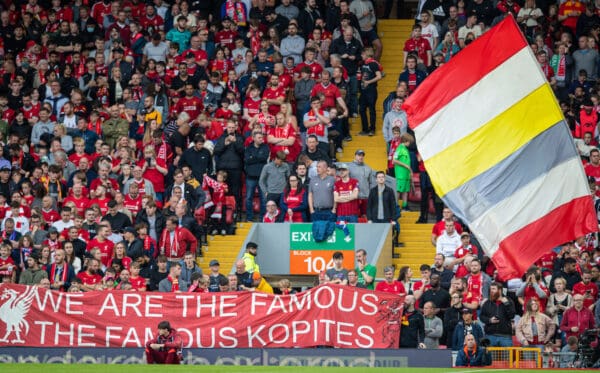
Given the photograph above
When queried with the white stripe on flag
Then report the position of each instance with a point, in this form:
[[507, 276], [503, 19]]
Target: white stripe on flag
[[528, 204], [494, 94]]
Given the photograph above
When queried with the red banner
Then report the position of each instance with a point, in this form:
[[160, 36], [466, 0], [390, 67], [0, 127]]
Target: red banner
[[330, 315]]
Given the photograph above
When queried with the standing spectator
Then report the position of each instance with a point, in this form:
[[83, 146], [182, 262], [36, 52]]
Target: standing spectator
[[448, 242], [175, 241], [60, 273], [412, 333], [198, 158], [345, 195], [568, 272], [229, 151], [534, 328], [273, 178], [171, 284], [497, 314], [390, 285], [308, 16], [402, 168], [215, 276], [320, 195], [418, 45], [381, 203], [370, 74], [293, 44], [438, 297], [412, 76], [533, 288], [586, 58], [586, 288], [316, 121], [444, 273], [577, 319], [367, 20], [366, 272], [349, 49], [294, 201], [452, 317], [256, 156], [432, 325], [365, 175]]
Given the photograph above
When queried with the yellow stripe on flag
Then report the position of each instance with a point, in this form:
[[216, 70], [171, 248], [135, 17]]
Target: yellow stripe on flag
[[494, 141]]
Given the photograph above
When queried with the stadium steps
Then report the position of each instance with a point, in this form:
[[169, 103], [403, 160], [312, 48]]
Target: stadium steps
[[393, 34], [224, 248], [417, 247]]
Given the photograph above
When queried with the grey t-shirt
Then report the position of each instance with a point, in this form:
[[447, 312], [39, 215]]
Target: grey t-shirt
[[333, 273], [322, 191]]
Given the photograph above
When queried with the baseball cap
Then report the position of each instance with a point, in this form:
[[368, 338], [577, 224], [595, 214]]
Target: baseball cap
[[129, 230], [342, 166], [466, 310], [213, 262], [359, 151]]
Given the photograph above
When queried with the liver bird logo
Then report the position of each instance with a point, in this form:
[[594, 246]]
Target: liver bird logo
[[14, 311]]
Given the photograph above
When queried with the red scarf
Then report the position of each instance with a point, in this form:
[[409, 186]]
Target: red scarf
[[174, 246], [148, 244], [319, 129], [174, 284], [53, 272], [561, 71]]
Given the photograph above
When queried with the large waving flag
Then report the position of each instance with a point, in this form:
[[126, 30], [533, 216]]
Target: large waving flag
[[499, 152]]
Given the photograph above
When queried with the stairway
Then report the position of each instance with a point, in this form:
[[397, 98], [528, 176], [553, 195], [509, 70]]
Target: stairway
[[224, 248], [417, 247], [393, 34]]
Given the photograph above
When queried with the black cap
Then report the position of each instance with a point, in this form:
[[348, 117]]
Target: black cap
[[213, 262], [118, 50], [466, 310], [129, 230], [5, 168]]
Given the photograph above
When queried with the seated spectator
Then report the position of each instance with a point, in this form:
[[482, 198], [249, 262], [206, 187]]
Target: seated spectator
[[472, 355]]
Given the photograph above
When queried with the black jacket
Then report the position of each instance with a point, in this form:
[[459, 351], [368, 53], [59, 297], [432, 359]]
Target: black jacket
[[134, 249], [389, 204], [354, 48], [231, 156], [200, 161], [413, 333], [505, 312], [255, 159], [160, 223]]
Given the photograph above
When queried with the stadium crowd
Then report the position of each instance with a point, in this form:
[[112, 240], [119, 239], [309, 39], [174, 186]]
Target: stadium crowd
[[133, 129]]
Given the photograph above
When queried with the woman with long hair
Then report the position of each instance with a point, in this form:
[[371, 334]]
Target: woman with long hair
[[405, 278], [448, 46], [294, 201], [534, 329], [558, 302], [120, 253], [71, 258]]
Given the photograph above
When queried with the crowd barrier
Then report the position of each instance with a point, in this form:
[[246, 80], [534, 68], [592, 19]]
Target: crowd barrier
[[318, 357]]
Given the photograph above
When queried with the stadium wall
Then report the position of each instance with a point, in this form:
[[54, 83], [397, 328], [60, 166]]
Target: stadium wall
[[318, 357]]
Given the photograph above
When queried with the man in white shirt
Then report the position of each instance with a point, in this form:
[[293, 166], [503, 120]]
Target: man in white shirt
[[447, 243]]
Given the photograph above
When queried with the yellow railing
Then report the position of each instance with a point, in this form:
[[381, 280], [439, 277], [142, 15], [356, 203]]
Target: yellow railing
[[516, 357]]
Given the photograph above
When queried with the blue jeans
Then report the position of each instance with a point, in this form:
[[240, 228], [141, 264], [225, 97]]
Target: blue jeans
[[348, 218], [324, 215], [499, 341], [251, 187]]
